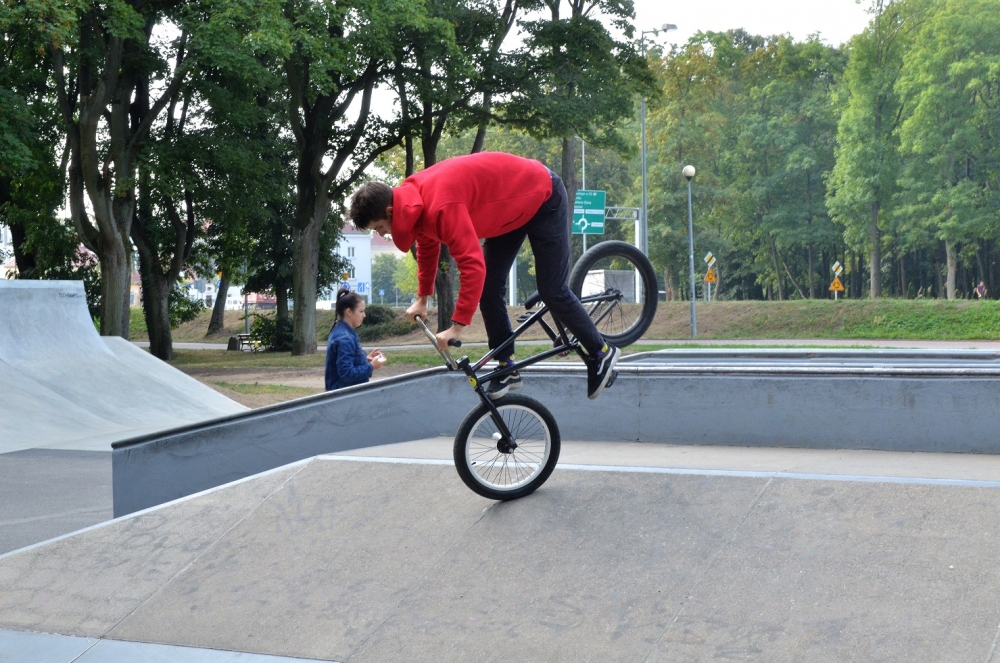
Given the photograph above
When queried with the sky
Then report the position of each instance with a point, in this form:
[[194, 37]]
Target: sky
[[836, 21]]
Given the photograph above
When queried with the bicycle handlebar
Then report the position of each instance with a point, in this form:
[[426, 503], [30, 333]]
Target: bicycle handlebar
[[454, 342]]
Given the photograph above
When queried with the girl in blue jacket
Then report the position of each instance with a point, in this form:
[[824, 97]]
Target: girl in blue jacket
[[346, 362]]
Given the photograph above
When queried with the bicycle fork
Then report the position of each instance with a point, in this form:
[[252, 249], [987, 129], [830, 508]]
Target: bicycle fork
[[506, 442]]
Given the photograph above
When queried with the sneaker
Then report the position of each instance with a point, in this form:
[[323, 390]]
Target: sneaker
[[498, 388], [600, 372]]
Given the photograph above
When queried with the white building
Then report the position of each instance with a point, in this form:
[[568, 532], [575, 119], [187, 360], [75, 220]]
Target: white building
[[7, 268], [356, 246]]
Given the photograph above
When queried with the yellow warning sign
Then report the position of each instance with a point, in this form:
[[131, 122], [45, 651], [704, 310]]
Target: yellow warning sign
[[836, 286], [710, 276]]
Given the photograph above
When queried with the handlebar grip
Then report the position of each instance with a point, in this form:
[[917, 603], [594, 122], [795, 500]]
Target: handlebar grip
[[454, 342]]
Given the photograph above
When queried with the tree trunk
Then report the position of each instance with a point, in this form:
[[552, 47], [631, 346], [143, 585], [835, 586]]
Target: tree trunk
[[156, 307], [777, 270], [23, 260], [812, 281], [952, 257], [444, 287], [305, 257], [938, 282], [116, 283], [218, 322], [281, 301], [903, 289], [876, 254], [569, 173]]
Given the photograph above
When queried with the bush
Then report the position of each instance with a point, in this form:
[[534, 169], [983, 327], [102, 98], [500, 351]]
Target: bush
[[379, 315], [272, 333], [383, 322]]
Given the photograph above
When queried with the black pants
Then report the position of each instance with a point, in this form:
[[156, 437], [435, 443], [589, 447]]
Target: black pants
[[548, 232]]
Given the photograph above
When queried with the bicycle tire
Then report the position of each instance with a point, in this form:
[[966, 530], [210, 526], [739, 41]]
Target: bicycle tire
[[496, 475], [621, 323]]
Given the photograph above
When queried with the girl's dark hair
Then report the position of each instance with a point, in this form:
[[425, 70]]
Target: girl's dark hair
[[347, 300], [368, 204]]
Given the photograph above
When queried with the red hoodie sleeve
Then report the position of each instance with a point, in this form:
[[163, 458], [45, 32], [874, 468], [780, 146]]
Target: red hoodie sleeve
[[428, 252], [455, 229]]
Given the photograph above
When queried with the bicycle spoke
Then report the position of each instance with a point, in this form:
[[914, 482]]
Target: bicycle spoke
[[507, 471]]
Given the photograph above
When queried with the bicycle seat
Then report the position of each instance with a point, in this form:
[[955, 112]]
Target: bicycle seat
[[532, 299]]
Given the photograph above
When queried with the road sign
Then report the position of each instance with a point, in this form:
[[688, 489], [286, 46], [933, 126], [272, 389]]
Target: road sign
[[837, 268], [381, 292], [710, 276], [588, 212], [836, 286], [709, 259]]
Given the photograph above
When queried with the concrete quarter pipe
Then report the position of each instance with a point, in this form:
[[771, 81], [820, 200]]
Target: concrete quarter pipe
[[62, 386]]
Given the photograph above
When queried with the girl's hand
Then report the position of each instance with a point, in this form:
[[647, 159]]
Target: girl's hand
[[376, 358]]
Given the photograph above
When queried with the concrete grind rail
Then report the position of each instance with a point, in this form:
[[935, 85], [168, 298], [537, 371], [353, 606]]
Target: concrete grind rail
[[395, 560]]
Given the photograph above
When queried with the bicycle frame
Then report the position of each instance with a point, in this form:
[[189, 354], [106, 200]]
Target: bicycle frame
[[563, 343]]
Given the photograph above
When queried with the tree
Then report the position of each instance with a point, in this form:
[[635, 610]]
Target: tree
[[579, 80], [30, 174], [442, 66], [863, 180], [338, 54], [384, 268], [949, 82]]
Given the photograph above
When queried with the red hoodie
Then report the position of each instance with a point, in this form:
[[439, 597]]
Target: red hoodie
[[458, 202]]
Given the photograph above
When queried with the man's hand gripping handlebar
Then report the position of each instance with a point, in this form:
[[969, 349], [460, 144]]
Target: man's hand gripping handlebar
[[453, 342]]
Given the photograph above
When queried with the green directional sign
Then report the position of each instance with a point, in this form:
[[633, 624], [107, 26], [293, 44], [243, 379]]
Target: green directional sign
[[588, 213]]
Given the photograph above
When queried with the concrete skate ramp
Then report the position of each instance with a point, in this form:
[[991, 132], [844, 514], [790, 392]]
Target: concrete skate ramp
[[353, 560], [63, 386]]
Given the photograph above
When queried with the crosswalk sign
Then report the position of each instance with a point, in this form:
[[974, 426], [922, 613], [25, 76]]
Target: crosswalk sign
[[710, 276], [836, 286]]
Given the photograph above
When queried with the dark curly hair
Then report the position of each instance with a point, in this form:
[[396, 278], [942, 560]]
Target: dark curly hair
[[368, 204]]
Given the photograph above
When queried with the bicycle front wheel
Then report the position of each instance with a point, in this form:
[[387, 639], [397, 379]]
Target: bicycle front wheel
[[617, 285], [496, 469]]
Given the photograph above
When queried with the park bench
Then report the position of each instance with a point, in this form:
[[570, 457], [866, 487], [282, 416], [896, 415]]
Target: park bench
[[243, 342]]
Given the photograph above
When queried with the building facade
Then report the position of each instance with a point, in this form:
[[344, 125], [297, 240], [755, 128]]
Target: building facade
[[356, 246]]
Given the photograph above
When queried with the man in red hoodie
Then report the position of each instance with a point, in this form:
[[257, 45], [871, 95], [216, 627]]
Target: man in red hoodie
[[500, 198]]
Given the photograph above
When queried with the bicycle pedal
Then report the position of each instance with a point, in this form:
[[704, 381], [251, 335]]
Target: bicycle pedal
[[523, 317]]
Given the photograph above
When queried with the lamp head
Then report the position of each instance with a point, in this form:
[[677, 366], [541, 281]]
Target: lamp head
[[668, 26], [688, 172]]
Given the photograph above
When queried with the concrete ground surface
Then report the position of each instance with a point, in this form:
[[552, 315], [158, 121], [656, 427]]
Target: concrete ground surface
[[630, 552], [46, 492]]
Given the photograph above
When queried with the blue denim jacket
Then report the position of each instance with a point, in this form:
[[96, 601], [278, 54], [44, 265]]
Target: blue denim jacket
[[346, 362]]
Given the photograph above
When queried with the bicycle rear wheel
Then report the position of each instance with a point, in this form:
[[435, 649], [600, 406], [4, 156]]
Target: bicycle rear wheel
[[609, 275], [489, 467]]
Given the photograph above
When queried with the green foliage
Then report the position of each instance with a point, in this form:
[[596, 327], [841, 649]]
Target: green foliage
[[182, 308], [272, 332]]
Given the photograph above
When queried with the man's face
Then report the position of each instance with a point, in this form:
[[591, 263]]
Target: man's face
[[383, 227]]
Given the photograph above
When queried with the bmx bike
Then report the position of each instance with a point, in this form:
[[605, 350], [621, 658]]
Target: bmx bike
[[506, 448]]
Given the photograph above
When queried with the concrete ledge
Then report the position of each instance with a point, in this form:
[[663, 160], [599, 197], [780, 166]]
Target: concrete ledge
[[857, 408]]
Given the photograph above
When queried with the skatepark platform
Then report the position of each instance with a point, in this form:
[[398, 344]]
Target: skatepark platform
[[630, 552], [923, 401]]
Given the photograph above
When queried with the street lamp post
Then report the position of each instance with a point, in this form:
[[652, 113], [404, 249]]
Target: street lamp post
[[644, 235], [689, 173]]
